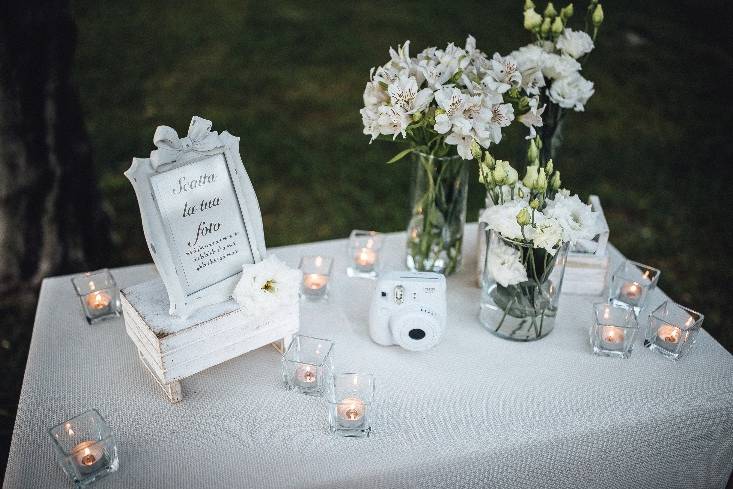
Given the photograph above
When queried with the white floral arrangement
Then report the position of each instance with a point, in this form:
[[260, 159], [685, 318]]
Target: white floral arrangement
[[443, 101], [266, 286]]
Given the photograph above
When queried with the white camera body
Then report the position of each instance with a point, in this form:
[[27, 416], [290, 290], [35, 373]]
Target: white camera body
[[409, 309]]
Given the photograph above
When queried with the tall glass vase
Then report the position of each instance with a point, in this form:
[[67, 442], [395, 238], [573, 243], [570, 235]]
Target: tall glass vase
[[435, 231], [521, 288]]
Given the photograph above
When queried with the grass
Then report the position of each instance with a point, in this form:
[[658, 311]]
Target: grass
[[287, 77]]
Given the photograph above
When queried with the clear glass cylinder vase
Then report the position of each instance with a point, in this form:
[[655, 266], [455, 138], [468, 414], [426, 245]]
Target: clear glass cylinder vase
[[521, 288], [435, 231]]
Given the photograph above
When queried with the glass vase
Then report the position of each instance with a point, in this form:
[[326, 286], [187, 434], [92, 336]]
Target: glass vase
[[521, 288], [551, 133], [435, 232]]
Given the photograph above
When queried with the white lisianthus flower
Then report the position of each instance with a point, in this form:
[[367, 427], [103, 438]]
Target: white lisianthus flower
[[548, 234], [505, 264], [556, 66], [575, 43], [571, 92], [578, 220], [405, 95], [503, 218], [266, 286], [533, 118], [503, 74]]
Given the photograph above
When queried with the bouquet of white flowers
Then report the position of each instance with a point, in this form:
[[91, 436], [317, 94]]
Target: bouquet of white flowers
[[448, 105]]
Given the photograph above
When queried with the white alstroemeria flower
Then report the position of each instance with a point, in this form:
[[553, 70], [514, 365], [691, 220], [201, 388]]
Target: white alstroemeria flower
[[436, 74], [374, 95], [555, 66], [405, 95], [575, 43], [571, 92], [452, 101], [548, 234], [533, 118], [402, 64], [462, 142], [503, 218], [370, 119], [503, 74], [266, 286], [504, 263], [578, 220], [384, 74], [393, 121], [501, 116]]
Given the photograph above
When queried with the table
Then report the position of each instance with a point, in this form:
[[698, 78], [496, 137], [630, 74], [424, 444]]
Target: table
[[476, 411]]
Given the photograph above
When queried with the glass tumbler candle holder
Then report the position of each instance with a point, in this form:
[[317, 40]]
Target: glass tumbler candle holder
[[85, 448], [350, 400], [631, 284], [613, 331], [99, 295], [316, 275], [307, 365], [364, 249], [672, 329]]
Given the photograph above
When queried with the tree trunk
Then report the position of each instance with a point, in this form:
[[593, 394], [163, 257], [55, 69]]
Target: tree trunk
[[51, 218]]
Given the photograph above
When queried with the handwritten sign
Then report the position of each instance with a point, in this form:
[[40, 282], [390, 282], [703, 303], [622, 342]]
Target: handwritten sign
[[206, 233]]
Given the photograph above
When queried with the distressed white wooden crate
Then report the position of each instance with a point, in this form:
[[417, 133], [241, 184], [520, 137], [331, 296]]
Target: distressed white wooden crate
[[586, 272], [173, 348]]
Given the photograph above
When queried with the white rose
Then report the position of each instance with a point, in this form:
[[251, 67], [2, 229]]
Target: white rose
[[266, 286], [575, 43], [571, 92]]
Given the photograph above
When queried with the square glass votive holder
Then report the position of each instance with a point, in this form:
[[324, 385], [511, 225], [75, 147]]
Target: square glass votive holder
[[99, 295], [613, 331], [672, 329], [631, 284], [350, 398], [363, 252], [316, 275], [85, 448], [307, 365]]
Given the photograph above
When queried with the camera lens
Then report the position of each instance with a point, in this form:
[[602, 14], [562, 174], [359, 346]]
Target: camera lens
[[416, 334]]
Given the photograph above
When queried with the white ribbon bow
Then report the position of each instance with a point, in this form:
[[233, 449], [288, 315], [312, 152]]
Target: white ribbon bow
[[171, 149]]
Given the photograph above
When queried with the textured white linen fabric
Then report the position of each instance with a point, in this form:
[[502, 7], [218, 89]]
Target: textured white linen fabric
[[476, 411]]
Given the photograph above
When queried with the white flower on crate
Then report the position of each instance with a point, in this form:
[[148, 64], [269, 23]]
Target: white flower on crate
[[575, 43], [266, 286], [571, 92], [505, 264], [578, 220]]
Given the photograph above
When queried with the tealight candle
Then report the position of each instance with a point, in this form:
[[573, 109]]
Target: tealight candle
[[613, 334], [365, 258], [88, 455], [314, 281], [98, 300], [350, 412], [631, 291], [305, 376], [669, 333]]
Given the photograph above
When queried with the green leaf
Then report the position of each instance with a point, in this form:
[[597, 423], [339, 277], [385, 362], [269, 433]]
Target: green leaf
[[400, 155]]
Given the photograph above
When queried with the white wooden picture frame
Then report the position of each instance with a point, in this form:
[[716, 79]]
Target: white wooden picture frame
[[200, 214]]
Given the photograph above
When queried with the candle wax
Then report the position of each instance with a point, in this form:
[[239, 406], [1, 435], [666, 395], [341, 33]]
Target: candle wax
[[350, 411], [88, 455], [366, 257], [632, 291], [669, 333], [315, 281], [305, 374]]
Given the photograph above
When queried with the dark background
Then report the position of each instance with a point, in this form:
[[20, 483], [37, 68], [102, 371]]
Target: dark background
[[287, 76]]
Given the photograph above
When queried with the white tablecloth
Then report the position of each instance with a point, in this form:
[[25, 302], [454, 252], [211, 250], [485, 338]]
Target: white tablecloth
[[476, 411]]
